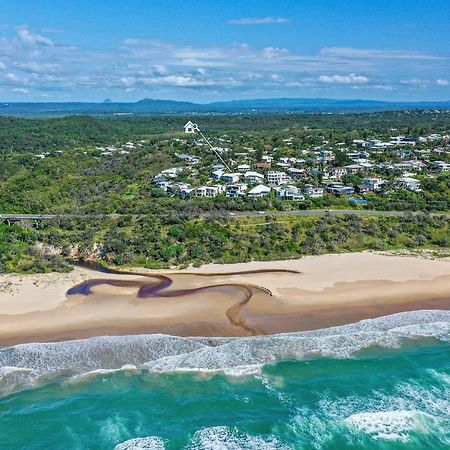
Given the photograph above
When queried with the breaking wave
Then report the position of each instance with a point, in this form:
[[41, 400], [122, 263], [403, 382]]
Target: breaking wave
[[147, 443], [26, 365]]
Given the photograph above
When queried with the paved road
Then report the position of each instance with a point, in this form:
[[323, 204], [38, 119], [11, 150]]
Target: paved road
[[318, 212], [309, 212]]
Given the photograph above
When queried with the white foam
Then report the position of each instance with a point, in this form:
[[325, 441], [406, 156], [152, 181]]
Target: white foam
[[147, 443], [88, 376], [226, 438], [232, 356], [388, 425], [440, 376]]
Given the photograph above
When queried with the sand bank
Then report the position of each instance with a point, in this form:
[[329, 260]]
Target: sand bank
[[308, 293]]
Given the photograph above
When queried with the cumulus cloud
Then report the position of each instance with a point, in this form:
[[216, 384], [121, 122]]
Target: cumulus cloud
[[159, 68], [273, 52], [343, 79], [29, 38], [258, 21], [179, 80], [21, 91]]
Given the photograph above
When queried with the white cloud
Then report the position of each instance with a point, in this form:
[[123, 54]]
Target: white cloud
[[349, 52], [159, 68], [20, 91], [297, 84], [276, 77], [12, 77], [258, 21], [415, 82], [189, 81], [128, 81], [383, 87], [29, 38], [34, 67], [343, 79], [273, 52]]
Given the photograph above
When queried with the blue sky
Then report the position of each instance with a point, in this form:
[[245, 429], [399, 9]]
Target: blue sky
[[206, 50]]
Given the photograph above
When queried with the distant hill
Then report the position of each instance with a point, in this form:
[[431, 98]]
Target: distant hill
[[151, 106]]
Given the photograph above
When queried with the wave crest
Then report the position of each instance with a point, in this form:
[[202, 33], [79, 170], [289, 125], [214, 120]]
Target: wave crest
[[28, 363]]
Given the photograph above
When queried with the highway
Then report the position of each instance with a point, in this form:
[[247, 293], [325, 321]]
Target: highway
[[308, 212]]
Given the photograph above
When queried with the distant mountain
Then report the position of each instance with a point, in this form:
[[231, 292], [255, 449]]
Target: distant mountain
[[151, 106]]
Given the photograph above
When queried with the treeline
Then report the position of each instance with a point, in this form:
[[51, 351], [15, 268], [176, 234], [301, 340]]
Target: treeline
[[155, 243], [17, 134], [21, 252]]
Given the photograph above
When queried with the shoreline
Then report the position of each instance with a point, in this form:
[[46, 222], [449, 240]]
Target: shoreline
[[328, 290]]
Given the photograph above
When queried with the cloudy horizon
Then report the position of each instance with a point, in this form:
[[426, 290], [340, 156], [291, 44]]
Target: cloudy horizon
[[271, 53]]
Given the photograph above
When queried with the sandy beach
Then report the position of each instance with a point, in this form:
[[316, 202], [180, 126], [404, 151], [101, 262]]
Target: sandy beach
[[220, 300]]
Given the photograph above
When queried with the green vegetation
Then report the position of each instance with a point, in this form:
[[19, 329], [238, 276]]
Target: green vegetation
[[156, 243], [20, 251], [36, 135], [57, 166]]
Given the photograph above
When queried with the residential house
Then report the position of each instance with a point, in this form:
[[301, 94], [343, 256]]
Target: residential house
[[327, 155], [236, 190], [217, 174], [209, 191], [263, 165], [287, 192], [253, 177], [410, 165], [313, 192], [441, 166], [338, 172], [411, 184], [374, 184], [231, 177], [173, 172], [363, 189], [187, 192], [342, 190], [267, 158], [243, 168], [353, 168], [295, 173], [278, 178], [259, 191]]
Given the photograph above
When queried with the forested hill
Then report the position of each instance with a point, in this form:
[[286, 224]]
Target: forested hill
[[151, 106], [19, 134]]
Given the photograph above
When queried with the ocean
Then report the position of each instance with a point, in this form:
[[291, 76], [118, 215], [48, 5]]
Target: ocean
[[378, 384]]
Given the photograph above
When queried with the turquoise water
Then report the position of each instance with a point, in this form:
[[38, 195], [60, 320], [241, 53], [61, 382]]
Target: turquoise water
[[382, 384]]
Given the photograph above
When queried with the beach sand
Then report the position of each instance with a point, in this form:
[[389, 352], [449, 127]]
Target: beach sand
[[312, 292]]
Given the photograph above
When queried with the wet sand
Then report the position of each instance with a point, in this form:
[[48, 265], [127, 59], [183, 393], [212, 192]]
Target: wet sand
[[220, 300]]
